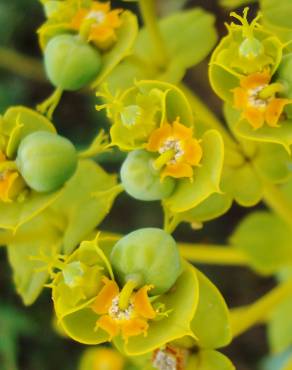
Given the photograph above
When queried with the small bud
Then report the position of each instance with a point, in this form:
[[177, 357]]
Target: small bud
[[149, 254], [46, 161], [70, 62], [141, 180], [251, 48]]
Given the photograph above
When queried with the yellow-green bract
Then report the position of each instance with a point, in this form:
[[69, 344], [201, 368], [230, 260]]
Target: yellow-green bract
[[157, 103], [73, 303]]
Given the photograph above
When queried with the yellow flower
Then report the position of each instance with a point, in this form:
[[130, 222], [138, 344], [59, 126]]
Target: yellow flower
[[256, 99], [179, 151], [10, 182], [101, 23], [131, 320]]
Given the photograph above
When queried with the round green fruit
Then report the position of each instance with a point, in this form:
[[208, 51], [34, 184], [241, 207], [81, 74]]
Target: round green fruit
[[46, 160], [141, 180], [150, 256], [70, 62]]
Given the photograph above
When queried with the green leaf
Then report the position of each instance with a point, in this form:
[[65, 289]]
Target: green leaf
[[31, 244], [209, 360], [17, 213], [197, 28], [242, 184], [211, 321], [273, 162], [206, 180], [86, 200], [277, 16], [279, 135], [214, 206], [280, 327], [266, 240]]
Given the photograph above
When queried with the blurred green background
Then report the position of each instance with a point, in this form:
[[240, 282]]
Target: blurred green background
[[27, 338]]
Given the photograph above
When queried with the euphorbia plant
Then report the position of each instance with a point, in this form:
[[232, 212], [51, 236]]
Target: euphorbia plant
[[140, 292]]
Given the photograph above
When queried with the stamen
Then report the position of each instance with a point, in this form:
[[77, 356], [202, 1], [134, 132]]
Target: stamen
[[120, 314], [99, 16], [254, 97], [173, 145], [163, 360]]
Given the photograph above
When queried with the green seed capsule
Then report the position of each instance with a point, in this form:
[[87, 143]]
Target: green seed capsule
[[70, 62], [149, 256], [46, 160], [141, 180]]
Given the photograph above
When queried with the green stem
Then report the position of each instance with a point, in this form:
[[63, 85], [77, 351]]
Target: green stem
[[22, 65], [276, 200], [212, 254], [243, 318], [48, 106], [148, 11]]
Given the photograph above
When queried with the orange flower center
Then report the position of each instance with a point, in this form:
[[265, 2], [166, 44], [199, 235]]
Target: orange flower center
[[254, 98], [176, 148], [126, 311], [98, 24], [119, 314], [257, 99], [179, 150]]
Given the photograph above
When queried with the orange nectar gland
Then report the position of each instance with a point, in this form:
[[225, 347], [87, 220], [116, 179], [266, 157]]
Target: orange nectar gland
[[10, 182], [257, 100], [98, 24], [126, 312], [179, 151], [169, 358]]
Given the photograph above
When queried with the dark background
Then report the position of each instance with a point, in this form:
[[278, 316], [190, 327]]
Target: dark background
[[27, 340]]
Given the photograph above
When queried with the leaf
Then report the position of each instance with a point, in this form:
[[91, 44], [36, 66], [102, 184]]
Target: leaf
[[209, 360], [17, 213], [276, 13], [279, 135], [33, 241], [277, 362], [280, 327], [273, 162], [214, 206], [86, 200], [242, 184], [211, 322], [206, 180], [197, 28], [266, 241]]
